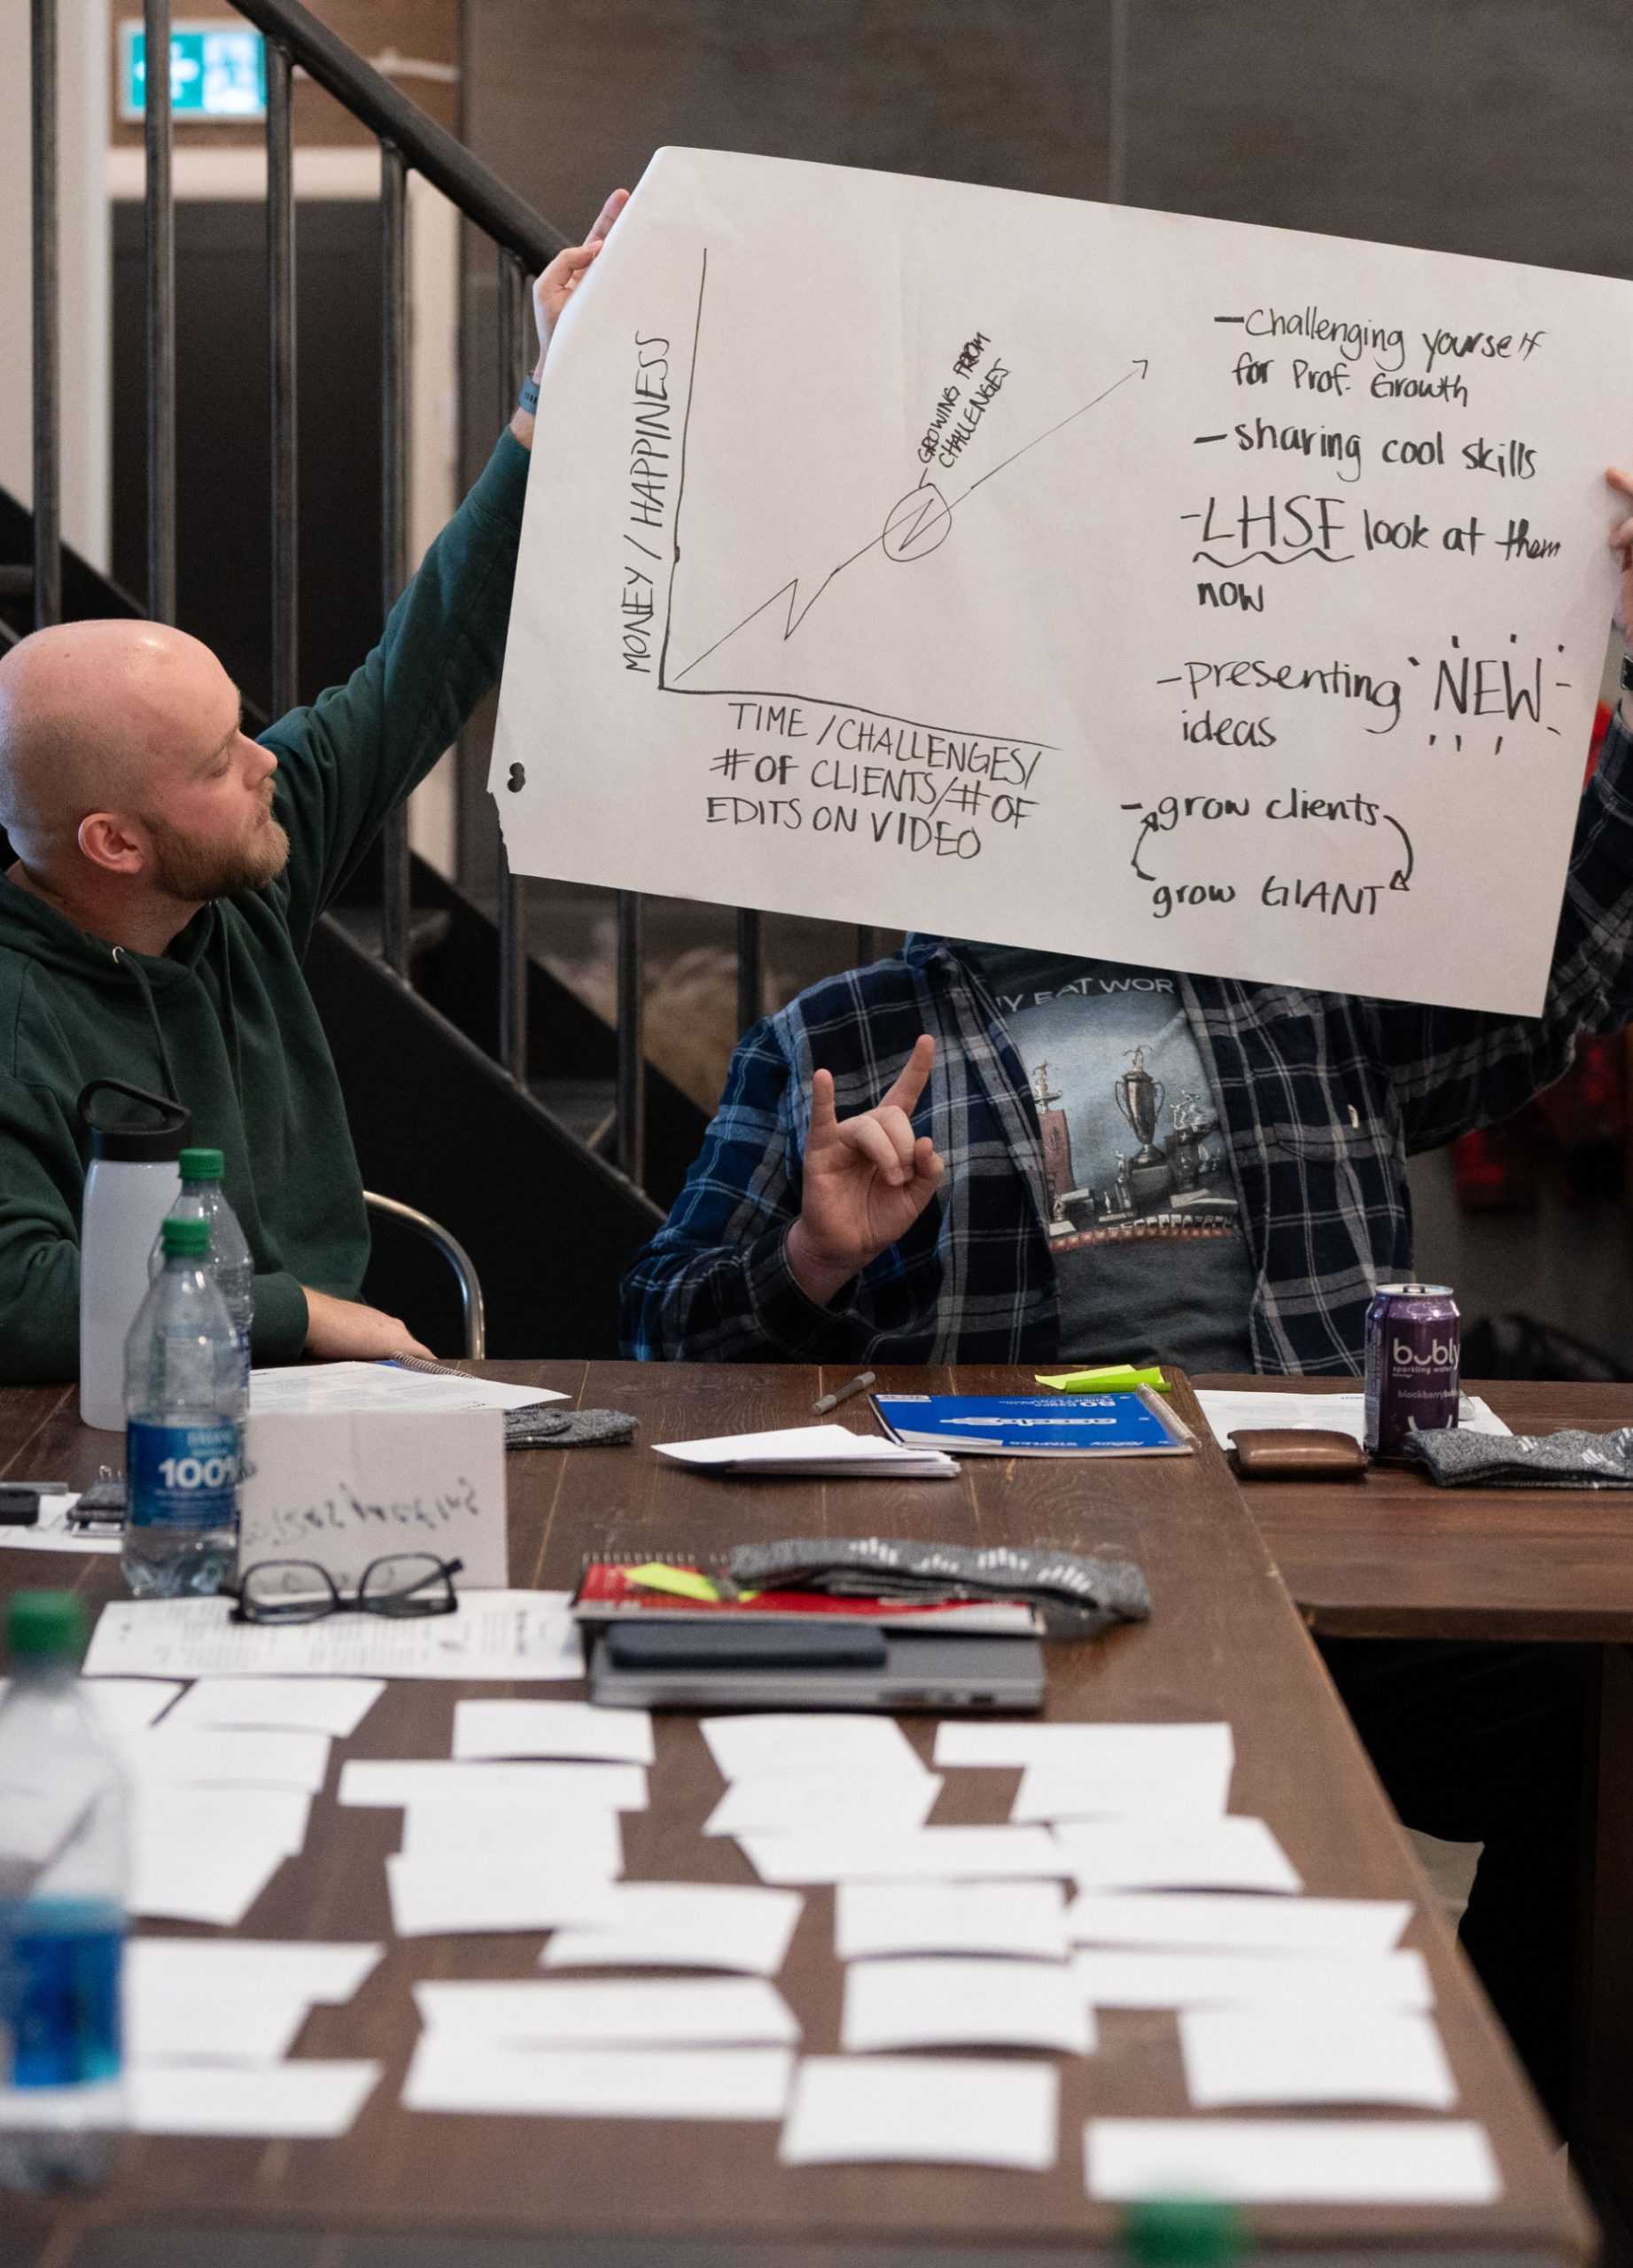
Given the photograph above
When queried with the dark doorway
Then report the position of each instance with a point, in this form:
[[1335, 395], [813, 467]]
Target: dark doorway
[[224, 463]]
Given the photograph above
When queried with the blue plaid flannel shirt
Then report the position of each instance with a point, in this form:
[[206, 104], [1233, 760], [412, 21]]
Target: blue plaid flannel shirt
[[1321, 1096]]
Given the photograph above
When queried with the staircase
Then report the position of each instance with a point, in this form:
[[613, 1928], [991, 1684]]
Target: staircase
[[478, 1088]]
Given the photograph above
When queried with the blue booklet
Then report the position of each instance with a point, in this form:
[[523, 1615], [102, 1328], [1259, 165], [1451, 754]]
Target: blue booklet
[[1037, 1425]]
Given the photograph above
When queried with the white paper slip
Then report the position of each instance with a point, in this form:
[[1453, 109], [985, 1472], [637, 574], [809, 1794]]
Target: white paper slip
[[128, 1705], [173, 1882], [52, 1531], [713, 2012], [1060, 1790], [185, 1818], [534, 1791], [317, 1705], [1117, 1752], [922, 2110], [963, 2004], [1204, 1923], [318, 1973], [509, 1635], [196, 2022], [776, 1801], [1232, 2056], [1232, 1854], [483, 1729], [1335, 1413], [461, 1897], [751, 1747], [684, 1925], [309, 1388], [449, 2073], [1146, 1979], [921, 1854], [1021, 1919], [833, 1451], [586, 1838], [224, 1755], [1292, 2161], [305, 2101]]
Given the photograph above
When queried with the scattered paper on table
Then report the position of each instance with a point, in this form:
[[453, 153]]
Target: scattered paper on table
[[306, 2101], [535, 1791], [319, 1704], [486, 1729], [1113, 1751], [465, 1896], [716, 2012], [870, 1853], [1209, 1924], [185, 1819], [450, 2072], [311, 1388], [322, 1974], [831, 1451], [683, 1925], [196, 2022], [225, 1756], [1164, 1980], [53, 1531], [1061, 1791], [1294, 2055], [1333, 1413], [1234, 1853], [178, 1884], [127, 1705], [922, 2110], [510, 1634], [794, 1800], [586, 1837], [1292, 2161], [963, 2004], [1024, 1919], [751, 1747]]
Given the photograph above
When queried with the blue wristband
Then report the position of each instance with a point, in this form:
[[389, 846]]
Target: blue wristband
[[528, 398]]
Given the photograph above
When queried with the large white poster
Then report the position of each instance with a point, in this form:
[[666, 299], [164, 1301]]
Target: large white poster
[[1066, 575]]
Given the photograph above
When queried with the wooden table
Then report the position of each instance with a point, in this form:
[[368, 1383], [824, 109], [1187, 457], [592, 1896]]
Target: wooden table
[[408, 2191], [1396, 1557]]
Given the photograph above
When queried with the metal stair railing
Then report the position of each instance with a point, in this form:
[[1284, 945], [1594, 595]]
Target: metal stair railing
[[523, 242]]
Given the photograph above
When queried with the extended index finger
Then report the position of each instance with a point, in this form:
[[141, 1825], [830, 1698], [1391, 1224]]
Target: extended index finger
[[607, 215], [911, 1078]]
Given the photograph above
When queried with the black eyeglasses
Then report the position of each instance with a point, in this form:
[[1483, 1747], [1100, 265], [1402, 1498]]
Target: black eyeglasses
[[409, 1584]]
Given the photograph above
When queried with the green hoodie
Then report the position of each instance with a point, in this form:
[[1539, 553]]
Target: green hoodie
[[223, 1020]]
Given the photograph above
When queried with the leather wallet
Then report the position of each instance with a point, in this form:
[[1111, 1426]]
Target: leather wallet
[[1296, 1452]]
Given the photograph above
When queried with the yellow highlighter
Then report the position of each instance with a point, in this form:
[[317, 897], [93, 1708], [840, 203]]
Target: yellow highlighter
[[1111, 1378]]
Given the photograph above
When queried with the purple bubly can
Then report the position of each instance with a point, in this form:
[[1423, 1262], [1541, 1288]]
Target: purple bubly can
[[1413, 1349]]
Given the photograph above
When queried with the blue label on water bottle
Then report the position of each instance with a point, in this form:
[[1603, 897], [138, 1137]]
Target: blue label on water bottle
[[181, 1476], [59, 1961]]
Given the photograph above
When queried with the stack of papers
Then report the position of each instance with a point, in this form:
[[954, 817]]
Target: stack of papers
[[823, 1452], [1333, 1413], [510, 1634]]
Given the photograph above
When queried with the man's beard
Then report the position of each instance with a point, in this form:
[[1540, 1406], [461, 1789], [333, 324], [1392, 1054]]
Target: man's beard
[[197, 871]]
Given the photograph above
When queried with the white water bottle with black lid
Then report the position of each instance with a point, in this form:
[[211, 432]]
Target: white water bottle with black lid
[[135, 1141]]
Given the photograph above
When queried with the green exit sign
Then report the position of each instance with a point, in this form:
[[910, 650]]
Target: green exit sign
[[218, 72]]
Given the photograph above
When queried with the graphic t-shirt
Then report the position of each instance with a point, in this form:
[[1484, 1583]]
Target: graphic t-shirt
[[1144, 1220]]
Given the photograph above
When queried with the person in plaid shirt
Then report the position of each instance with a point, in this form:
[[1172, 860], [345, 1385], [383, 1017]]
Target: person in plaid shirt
[[872, 1190]]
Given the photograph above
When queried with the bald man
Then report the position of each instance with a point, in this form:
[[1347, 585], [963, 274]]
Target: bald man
[[169, 871]]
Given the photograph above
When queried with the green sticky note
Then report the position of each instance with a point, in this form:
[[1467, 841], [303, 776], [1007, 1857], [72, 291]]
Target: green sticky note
[[1111, 1378], [681, 1582]]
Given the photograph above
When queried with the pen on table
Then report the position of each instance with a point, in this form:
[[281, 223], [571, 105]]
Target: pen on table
[[824, 1402]]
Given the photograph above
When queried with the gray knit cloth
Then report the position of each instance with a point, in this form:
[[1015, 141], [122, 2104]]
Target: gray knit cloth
[[539, 1427], [1570, 1459], [1078, 1594]]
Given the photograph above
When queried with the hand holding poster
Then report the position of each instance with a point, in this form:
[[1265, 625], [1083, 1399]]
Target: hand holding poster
[[1065, 575]]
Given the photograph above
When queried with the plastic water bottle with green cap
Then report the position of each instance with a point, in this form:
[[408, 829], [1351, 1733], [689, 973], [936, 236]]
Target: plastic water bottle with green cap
[[183, 1397], [202, 1198], [63, 1864], [1181, 2232]]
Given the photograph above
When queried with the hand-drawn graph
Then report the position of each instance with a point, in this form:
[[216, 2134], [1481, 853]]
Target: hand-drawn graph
[[777, 649]]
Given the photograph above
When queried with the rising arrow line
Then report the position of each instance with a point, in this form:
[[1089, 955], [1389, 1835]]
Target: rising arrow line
[[790, 589]]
